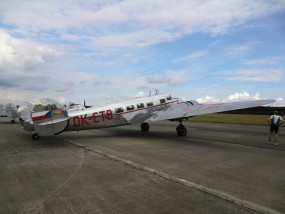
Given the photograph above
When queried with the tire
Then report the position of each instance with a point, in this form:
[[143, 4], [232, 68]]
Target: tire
[[181, 130], [35, 136], [144, 127]]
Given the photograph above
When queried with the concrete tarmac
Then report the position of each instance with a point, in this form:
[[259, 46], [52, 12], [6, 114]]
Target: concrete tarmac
[[217, 168]]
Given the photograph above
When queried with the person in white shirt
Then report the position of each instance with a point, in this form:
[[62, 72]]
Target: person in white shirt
[[274, 121]]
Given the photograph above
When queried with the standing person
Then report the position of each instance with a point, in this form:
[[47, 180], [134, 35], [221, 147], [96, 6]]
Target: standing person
[[274, 121]]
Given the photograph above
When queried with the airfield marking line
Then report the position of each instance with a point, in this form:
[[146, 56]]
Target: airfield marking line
[[204, 189]]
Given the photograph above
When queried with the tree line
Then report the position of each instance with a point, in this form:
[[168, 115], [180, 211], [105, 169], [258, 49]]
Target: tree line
[[260, 110]]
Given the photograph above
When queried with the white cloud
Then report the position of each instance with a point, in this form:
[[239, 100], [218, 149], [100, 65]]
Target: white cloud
[[171, 77], [77, 76], [207, 99], [64, 87], [194, 56], [22, 63], [139, 94], [242, 96], [279, 102], [256, 75], [264, 61], [236, 50], [102, 43], [158, 79], [13, 95], [23, 54], [139, 39], [99, 82], [138, 23], [231, 98]]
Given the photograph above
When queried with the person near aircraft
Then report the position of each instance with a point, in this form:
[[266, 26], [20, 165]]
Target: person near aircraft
[[275, 122]]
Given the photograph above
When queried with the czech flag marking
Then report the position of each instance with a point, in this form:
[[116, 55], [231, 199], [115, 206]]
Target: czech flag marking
[[40, 116]]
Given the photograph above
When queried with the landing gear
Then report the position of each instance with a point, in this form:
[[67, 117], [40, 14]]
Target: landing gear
[[181, 130], [144, 127], [13, 121], [36, 136]]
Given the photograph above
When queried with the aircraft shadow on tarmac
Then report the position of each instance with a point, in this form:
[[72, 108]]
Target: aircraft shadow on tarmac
[[9, 122], [153, 135], [25, 142], [116, 132]]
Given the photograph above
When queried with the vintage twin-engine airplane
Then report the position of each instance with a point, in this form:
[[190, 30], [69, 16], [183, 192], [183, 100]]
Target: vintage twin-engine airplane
[[48, 117]]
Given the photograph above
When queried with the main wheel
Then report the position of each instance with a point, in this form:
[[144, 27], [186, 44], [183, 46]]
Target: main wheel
[[13, 121], [36, 136], [181, 130], [144, 127]]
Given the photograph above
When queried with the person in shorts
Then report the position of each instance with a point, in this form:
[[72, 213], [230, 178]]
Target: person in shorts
[[274, 121]]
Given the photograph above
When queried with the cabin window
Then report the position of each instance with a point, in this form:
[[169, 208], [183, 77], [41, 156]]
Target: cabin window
[[149, 103], [169, 98], [130, 107], [140, 105], [162, 101], [119, 110]]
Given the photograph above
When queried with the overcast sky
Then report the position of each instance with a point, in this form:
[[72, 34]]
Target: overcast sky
[[106, 50]]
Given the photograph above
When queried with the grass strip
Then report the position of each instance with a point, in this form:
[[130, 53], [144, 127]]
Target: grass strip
[[232, 118]]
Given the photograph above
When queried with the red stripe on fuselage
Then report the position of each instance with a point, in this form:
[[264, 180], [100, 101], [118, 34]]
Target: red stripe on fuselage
[[40, 118]]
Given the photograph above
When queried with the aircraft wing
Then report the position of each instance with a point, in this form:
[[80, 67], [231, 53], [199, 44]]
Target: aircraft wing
[[182, 110]]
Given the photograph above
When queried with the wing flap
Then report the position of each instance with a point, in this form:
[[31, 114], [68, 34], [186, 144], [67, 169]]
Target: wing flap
[[183, 110]]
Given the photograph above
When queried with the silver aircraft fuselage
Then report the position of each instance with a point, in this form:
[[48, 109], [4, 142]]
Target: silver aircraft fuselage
[[120, 113]]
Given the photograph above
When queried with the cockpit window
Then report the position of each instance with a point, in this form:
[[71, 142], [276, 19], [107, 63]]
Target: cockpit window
[[47, 104], [162, 101], [130, 107], [140, 105], [119, 110], [169, 97]]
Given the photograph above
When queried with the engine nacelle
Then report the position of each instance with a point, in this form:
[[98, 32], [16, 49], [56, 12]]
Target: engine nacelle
[[49, 117]]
